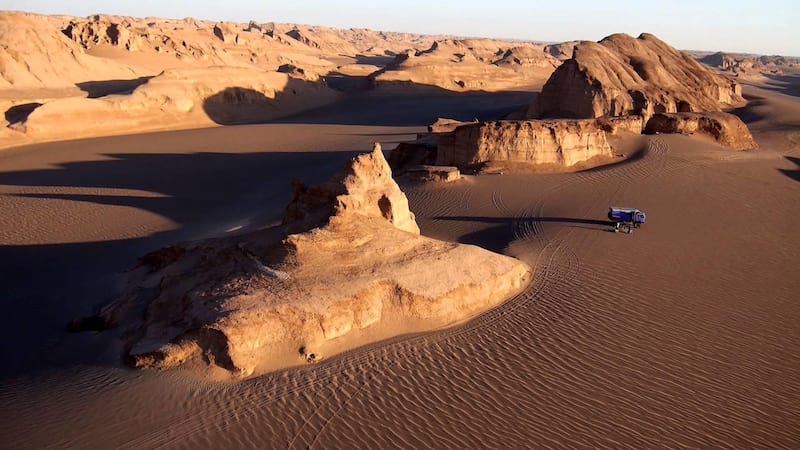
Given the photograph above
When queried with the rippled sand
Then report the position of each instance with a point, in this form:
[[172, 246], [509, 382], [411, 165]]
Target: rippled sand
[[684, 334]]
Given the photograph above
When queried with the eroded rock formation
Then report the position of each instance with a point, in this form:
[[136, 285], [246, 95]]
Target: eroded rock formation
[[621, 76], [346, 268], [560, 143], [188, 97], [469, 65], [726, 129]]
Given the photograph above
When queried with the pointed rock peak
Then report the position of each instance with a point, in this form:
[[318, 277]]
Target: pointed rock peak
[[365, 187]]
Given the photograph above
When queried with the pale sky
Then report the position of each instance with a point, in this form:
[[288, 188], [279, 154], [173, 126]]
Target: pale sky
[[764, 27]]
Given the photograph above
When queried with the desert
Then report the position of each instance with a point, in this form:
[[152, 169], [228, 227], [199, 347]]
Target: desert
[[222, 233]]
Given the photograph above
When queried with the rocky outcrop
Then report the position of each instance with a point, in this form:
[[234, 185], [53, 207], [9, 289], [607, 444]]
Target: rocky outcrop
[[436, 174], [365, 187], [527, 56], [726, 129], [558, 143], [35, 54], [621, 76], [180, 98], [616, 125], [444, 126], [468, 65], [416, 153], [748, 66], [346, 268]]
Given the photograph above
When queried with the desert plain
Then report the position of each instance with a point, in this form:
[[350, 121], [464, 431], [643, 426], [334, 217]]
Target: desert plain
[[167, 283]]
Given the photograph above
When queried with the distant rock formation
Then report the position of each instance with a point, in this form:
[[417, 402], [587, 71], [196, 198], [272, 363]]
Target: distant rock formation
[[558, 143], [621, 76], [180, 97], [749, 66], [726, 129], [347, 267], [561, 51], [35, 54], [469, 65]]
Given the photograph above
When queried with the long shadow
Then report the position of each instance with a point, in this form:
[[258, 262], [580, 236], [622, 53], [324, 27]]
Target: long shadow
[[785, 84], [388, 104], [793, 174], [237, 105], [497, 238], [376, 60], [746, 112], [45, 286], [407, 104], [96, 89]]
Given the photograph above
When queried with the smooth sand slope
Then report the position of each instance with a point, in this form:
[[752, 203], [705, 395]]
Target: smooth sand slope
[[684, 334]]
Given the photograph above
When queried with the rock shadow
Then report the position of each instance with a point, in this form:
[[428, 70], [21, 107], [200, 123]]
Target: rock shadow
[[785, 84], [20, 113], [793, 174], [238, 105], [410, 104], [746, 112], [375, 60], [97, 89], [503, 232]]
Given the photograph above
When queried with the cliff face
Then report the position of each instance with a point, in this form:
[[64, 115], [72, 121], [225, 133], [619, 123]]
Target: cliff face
[[556, 142], [347, 267], [621, 75], [726, 129]]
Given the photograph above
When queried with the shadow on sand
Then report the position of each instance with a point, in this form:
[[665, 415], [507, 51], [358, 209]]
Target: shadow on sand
[[46, 286], [20, 113], [96, 89], [785, 84], [499, 236], [793, 174]]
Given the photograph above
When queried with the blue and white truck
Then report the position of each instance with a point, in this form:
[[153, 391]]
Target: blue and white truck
[[626, 219]]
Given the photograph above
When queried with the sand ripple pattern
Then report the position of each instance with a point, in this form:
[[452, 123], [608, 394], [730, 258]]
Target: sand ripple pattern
[[673, 337]]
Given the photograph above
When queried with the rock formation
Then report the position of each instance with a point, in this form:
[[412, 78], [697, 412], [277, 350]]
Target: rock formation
[[621, 76], [180, 97], [469, 65], [558, 143], [346, 268], [35, 54], [726, 129], [436, 174], [748, 66]]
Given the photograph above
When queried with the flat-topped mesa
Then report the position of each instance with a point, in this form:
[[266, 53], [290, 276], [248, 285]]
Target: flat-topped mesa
[[726, 129], [621, 76], [348, 268], [554, 143]]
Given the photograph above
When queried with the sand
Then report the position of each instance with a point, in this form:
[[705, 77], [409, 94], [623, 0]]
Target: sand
[[684, 334]]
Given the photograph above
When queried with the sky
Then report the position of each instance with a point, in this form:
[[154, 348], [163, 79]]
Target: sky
[[763, 27]]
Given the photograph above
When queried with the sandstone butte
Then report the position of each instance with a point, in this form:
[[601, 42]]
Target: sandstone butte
[[347, 267], [551, 145], [557, 143], [622, 75]]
